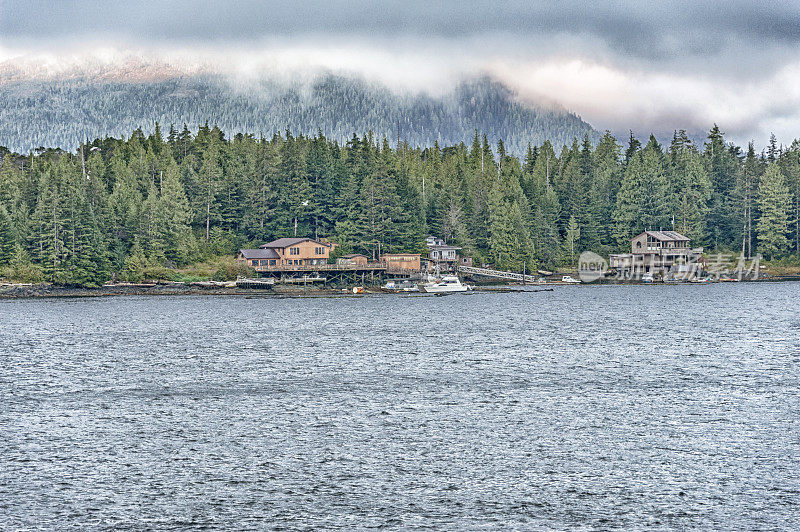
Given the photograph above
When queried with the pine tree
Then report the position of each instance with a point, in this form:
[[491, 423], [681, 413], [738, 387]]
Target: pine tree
[[570, 244], [774, 201], [633, 147], [608, 175], [790, 167], [643, 200], [7, 240], [691, 188], [210, 175], [176, 233]]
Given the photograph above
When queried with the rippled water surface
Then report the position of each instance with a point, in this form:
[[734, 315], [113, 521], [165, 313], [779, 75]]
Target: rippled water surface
[[585, 407]]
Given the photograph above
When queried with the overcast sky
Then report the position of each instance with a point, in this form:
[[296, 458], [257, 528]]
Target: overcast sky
[[622, 65]]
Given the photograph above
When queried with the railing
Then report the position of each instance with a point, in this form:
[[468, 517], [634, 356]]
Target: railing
[[320, 267], [488, 272]]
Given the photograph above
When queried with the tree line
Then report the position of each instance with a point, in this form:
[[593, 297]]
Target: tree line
[[117, 205]]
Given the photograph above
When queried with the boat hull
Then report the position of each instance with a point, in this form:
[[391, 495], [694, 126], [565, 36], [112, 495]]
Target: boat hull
[[445, 289]]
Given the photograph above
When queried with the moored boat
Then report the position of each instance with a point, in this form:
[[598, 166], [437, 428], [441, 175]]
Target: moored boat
[[447, 284]]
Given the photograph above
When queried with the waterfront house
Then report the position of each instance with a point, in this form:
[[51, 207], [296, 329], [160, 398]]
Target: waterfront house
[[443, 256], [285, 252], [658, 253]]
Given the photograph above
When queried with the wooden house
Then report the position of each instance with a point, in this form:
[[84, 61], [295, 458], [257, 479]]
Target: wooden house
[[287, 252], [258, 258], [443, 256], [402, 263], [353, 259], [656, 253]]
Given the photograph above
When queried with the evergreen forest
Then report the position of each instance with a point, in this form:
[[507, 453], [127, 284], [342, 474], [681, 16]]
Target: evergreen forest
[[117, 206]]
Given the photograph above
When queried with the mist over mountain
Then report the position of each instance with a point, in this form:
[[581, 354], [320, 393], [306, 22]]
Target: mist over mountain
[[39, 109]]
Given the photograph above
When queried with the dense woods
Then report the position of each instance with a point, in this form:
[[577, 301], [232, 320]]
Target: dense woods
[[116, 207], [62, 112]]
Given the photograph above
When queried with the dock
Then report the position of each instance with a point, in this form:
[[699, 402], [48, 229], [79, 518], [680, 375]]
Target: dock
[[497, 274]]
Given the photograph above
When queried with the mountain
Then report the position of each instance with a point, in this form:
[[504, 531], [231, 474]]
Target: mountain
[[61, 110]]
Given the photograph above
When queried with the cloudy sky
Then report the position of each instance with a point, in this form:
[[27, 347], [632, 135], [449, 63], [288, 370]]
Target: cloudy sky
[[619, 65]]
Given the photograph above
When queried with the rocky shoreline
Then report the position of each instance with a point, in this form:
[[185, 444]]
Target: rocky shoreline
[[21, 291], [46, 290]]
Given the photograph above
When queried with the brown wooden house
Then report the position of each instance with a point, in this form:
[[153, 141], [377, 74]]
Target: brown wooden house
[[402, 263], [285, 252]]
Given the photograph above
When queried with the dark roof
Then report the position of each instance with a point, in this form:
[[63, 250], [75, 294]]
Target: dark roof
[[259, 253], [286, 242], [667, 236]]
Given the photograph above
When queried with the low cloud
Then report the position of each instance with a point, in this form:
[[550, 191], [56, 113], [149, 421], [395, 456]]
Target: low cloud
[[629, 65]]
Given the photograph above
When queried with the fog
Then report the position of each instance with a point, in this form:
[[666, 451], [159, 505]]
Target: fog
[[630, 66]]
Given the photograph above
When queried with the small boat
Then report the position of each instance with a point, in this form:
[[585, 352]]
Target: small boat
[[569, 279], [648, 278], [400, 285], [448, 283]]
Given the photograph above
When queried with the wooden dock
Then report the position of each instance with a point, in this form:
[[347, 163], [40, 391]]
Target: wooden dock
[[319, 268]]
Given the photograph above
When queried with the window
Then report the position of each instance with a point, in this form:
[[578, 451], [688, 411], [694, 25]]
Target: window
[[272, 262]]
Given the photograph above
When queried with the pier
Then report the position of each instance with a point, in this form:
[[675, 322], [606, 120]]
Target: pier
[[488, 272]]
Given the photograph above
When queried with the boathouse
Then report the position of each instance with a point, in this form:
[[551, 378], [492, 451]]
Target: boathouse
[[402, 263]]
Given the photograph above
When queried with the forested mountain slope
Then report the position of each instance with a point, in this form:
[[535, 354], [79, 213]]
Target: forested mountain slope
[[63, 111]]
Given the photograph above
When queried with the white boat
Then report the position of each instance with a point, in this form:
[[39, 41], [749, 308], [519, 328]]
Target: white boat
[[447, 284], [569, 279]]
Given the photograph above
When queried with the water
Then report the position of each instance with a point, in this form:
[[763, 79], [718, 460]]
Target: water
[[586, 407]]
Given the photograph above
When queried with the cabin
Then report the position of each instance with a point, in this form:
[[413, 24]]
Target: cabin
[[284, 253], [353, 259], [402, 263], [658, 253]]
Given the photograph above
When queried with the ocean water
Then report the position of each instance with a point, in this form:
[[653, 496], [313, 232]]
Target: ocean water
[[630, 407]]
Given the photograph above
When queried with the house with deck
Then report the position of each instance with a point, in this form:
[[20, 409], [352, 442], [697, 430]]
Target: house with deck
[[287, 252], [664, 253], [441, 255]]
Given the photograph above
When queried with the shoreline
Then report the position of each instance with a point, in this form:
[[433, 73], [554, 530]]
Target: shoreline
[[45, 290]]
